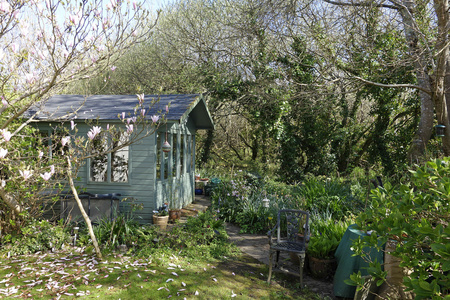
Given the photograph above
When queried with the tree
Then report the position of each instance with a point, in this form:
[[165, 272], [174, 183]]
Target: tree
[[47, 45], [424, 25]]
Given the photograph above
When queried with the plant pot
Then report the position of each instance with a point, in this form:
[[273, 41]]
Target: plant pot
[[161, 221], [322, 268], [174, 214]]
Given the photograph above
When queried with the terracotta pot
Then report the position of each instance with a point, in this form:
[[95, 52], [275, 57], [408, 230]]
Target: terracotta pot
[[322, 268], [161, 221], [174, 214]]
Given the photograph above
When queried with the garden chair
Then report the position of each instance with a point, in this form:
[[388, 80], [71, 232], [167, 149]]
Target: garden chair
[[292, 235]]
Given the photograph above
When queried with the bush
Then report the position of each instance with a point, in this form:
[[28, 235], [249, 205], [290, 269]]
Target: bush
[[330, 196], [240, 201], [203, 236], [415, 218], [36, 236]]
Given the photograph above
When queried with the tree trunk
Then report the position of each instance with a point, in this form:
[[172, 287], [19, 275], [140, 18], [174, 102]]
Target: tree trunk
[[83, 212], [442, 12], [425, 128]]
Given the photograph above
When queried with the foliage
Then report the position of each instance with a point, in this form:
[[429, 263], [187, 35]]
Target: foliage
[[240, 201], [330, 195], [326, 233], [119, 231], [36, 236], [203, 235], [415, 217], [162, 211]]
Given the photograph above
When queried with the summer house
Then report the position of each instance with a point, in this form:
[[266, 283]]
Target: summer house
[[142, 170]]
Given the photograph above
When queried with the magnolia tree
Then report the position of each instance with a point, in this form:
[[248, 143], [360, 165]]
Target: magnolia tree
[[45, 46]]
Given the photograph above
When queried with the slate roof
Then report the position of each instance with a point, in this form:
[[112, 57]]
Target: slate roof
[[108, 107]]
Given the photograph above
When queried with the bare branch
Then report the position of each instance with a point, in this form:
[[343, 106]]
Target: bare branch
[[365, 4], [412, 86]]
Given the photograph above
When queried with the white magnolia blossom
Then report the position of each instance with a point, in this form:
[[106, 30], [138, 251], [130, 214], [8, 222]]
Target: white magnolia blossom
[[3, 152], [94, 132]]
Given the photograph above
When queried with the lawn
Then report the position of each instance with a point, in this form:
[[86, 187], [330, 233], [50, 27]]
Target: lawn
[[69, 275]]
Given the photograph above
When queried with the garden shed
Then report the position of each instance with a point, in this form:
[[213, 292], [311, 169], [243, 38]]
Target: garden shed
[[140, 171]]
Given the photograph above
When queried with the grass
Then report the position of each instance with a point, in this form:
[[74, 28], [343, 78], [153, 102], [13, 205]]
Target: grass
[[70, 275]]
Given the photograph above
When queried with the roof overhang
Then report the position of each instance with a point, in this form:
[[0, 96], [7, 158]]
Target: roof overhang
[[110, 107]]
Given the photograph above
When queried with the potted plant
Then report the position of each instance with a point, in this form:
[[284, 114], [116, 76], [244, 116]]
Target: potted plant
[[321, 255], [325, 238], [161, 216]]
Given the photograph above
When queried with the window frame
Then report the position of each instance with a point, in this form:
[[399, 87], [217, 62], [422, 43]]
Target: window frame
[[109, 171]]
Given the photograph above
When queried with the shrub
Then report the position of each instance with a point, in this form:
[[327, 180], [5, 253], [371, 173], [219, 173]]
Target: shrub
[[415, 218], [241, 202], [36, 236], [326, 234], [203, 236], [329, 195]]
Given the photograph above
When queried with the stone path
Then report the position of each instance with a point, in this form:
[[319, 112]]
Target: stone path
[[257, 246]]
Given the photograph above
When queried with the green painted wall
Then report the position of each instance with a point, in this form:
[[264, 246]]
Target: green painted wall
[[144, 186]]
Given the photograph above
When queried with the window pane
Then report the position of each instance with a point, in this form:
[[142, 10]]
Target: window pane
[[166, 159], [174, 155], [182, 149], [99, 164], [120, 158], [192, 153], [158, 155]]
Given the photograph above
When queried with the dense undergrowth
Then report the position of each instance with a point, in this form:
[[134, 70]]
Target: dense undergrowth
[[240, 199], [202, 237]]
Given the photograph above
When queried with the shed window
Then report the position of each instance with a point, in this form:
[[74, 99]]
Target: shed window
[[158, 155], [113, 166], [163, 160], [120, 158], [99, 164], [174, 155], [182, 155]]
